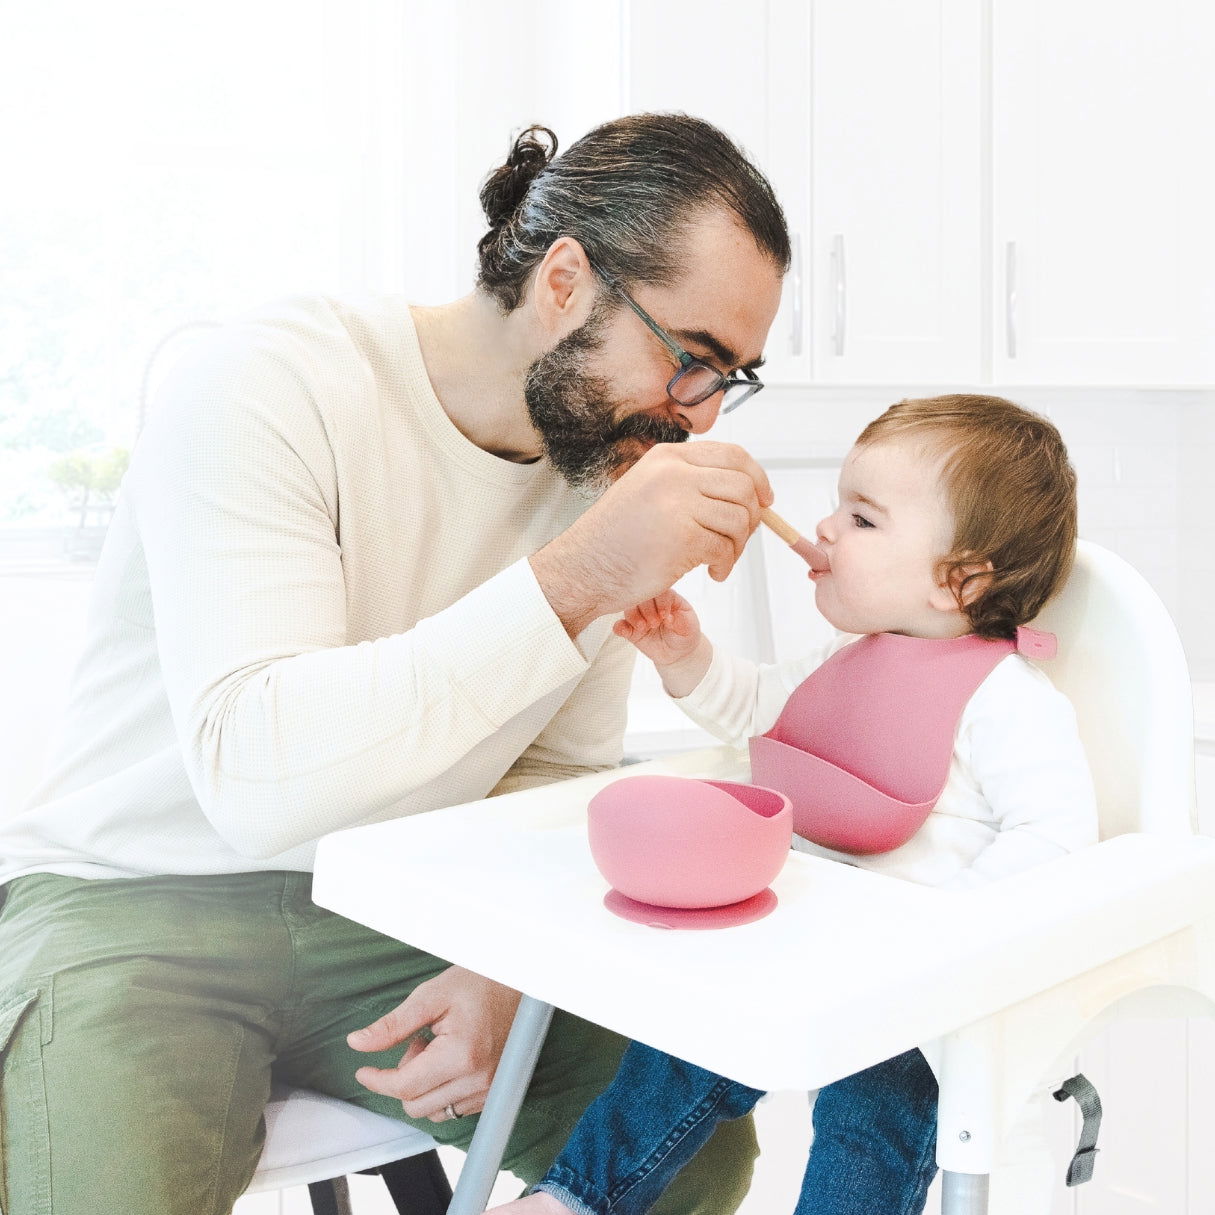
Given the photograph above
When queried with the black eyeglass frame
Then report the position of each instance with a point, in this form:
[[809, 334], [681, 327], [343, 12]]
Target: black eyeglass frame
[[689, 362]]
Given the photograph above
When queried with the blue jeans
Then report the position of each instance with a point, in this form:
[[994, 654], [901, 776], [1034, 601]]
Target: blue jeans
[[874, 1150]]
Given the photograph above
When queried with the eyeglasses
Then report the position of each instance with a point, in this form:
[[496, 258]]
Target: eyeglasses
[[695, 381]]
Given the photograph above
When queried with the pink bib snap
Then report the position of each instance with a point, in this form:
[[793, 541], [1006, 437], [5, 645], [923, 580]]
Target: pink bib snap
[[862, 748]]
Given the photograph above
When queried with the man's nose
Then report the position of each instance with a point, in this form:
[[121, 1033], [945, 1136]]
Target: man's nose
[[699, 418]]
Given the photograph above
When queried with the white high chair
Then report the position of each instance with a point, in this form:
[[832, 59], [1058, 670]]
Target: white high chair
[[1015, 974], [1122, 666]]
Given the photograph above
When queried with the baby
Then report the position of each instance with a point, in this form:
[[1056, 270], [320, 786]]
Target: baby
[[956, 519]]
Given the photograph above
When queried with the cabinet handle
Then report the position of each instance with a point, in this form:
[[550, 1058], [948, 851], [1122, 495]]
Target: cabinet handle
[[795, 330], [1010, 298], [839, 289]]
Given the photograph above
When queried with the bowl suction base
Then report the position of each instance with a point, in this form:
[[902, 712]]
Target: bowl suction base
[[729, 916]]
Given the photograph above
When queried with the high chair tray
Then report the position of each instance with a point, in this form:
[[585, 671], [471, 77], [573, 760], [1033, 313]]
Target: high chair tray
[[851, 968]]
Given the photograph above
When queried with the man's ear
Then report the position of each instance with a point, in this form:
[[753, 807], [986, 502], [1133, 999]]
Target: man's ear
[[564, 288], [962, 584]]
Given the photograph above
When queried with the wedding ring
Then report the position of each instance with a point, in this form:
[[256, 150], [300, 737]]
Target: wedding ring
[[450, 1110]]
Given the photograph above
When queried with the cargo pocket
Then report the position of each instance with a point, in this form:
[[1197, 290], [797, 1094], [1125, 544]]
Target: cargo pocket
[[22, 1096]]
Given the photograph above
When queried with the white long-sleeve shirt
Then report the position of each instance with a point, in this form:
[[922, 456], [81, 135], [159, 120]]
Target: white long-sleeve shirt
[[313, 610], [1019, 790]]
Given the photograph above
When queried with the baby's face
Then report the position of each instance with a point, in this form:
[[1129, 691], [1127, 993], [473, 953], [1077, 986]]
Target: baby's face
[[883, 544]]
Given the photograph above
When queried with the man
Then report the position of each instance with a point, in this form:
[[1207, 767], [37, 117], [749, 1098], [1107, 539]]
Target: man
[[365, 564]]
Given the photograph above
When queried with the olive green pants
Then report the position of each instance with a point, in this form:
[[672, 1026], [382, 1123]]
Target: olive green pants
[[141, 1021]]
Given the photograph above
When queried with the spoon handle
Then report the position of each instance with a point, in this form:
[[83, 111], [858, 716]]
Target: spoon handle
[[784, 530], [807, 550]]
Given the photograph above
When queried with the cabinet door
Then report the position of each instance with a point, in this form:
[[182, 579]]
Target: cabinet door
[[896, 184], [1103, 192], [736, 66]]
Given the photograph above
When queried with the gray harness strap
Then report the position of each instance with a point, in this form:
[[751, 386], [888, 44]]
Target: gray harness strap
[[1080, 1169]]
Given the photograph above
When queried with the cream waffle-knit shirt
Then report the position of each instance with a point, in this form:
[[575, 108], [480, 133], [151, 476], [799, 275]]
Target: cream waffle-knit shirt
[[313, 610]]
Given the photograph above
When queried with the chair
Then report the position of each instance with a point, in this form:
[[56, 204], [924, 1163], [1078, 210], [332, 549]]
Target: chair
[[1122, 666], [316, 1141]]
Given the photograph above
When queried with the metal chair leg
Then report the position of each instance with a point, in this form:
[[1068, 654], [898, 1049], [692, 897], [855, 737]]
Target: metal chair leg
[[502, 1105], [418, 1185], [964, 1193], [330, 1197]]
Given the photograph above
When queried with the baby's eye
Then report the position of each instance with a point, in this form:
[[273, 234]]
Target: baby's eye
[[861, 521]]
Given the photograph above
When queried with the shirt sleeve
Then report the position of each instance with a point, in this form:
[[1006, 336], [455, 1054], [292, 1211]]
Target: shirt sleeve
[[1018, 736], [738, 699], [587, 733], [287, 731]]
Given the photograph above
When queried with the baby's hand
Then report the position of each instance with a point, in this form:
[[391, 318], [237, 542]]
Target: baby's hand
[[665, 629]]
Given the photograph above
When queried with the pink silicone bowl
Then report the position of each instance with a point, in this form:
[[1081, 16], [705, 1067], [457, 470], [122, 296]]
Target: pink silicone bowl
[[676, 842]]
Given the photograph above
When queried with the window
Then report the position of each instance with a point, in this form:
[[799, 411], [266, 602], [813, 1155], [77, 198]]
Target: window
[[163, 165]]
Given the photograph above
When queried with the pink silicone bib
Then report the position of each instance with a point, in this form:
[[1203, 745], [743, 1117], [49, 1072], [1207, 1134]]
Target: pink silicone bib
[[863, 746]]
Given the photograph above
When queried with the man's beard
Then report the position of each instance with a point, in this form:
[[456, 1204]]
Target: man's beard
[[574, 413]]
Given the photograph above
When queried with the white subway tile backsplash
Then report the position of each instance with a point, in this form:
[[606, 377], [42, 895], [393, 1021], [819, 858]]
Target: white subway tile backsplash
[[1198, 421], [1149, 548], [1199, 587], [1124, 418], [1196, 550], [1196, 534], [1197, 595], [1107, 537], [1096, 464], [1147, 464], [1196, 484], [1127, 506]]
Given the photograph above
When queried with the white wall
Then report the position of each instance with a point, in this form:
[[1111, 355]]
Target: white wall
[[1196, 533]]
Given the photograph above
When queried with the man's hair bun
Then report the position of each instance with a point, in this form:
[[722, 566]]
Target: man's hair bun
[[505, 187]]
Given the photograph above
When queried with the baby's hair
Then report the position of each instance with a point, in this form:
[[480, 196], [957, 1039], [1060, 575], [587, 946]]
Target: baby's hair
[[1012, 492]]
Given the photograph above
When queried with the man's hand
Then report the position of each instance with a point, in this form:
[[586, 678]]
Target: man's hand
[[470, 1018], [681, 505]]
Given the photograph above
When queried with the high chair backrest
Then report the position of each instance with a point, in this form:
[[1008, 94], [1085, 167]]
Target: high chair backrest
[[1122, 666]]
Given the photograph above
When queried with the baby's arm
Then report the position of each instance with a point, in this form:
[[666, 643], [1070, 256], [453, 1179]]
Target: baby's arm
[[1020, 741], [731, 697]]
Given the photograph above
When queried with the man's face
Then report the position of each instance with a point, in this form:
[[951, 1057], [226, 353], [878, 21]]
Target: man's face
[[589, 434], [598, 399]]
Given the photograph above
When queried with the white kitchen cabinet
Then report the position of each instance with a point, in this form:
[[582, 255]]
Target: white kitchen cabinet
[[894, 222], [877, 167], [1103, 191], [742, 69], [1010, 192]]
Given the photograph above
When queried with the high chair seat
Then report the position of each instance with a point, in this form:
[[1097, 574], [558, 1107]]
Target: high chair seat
[[310, 1137]]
